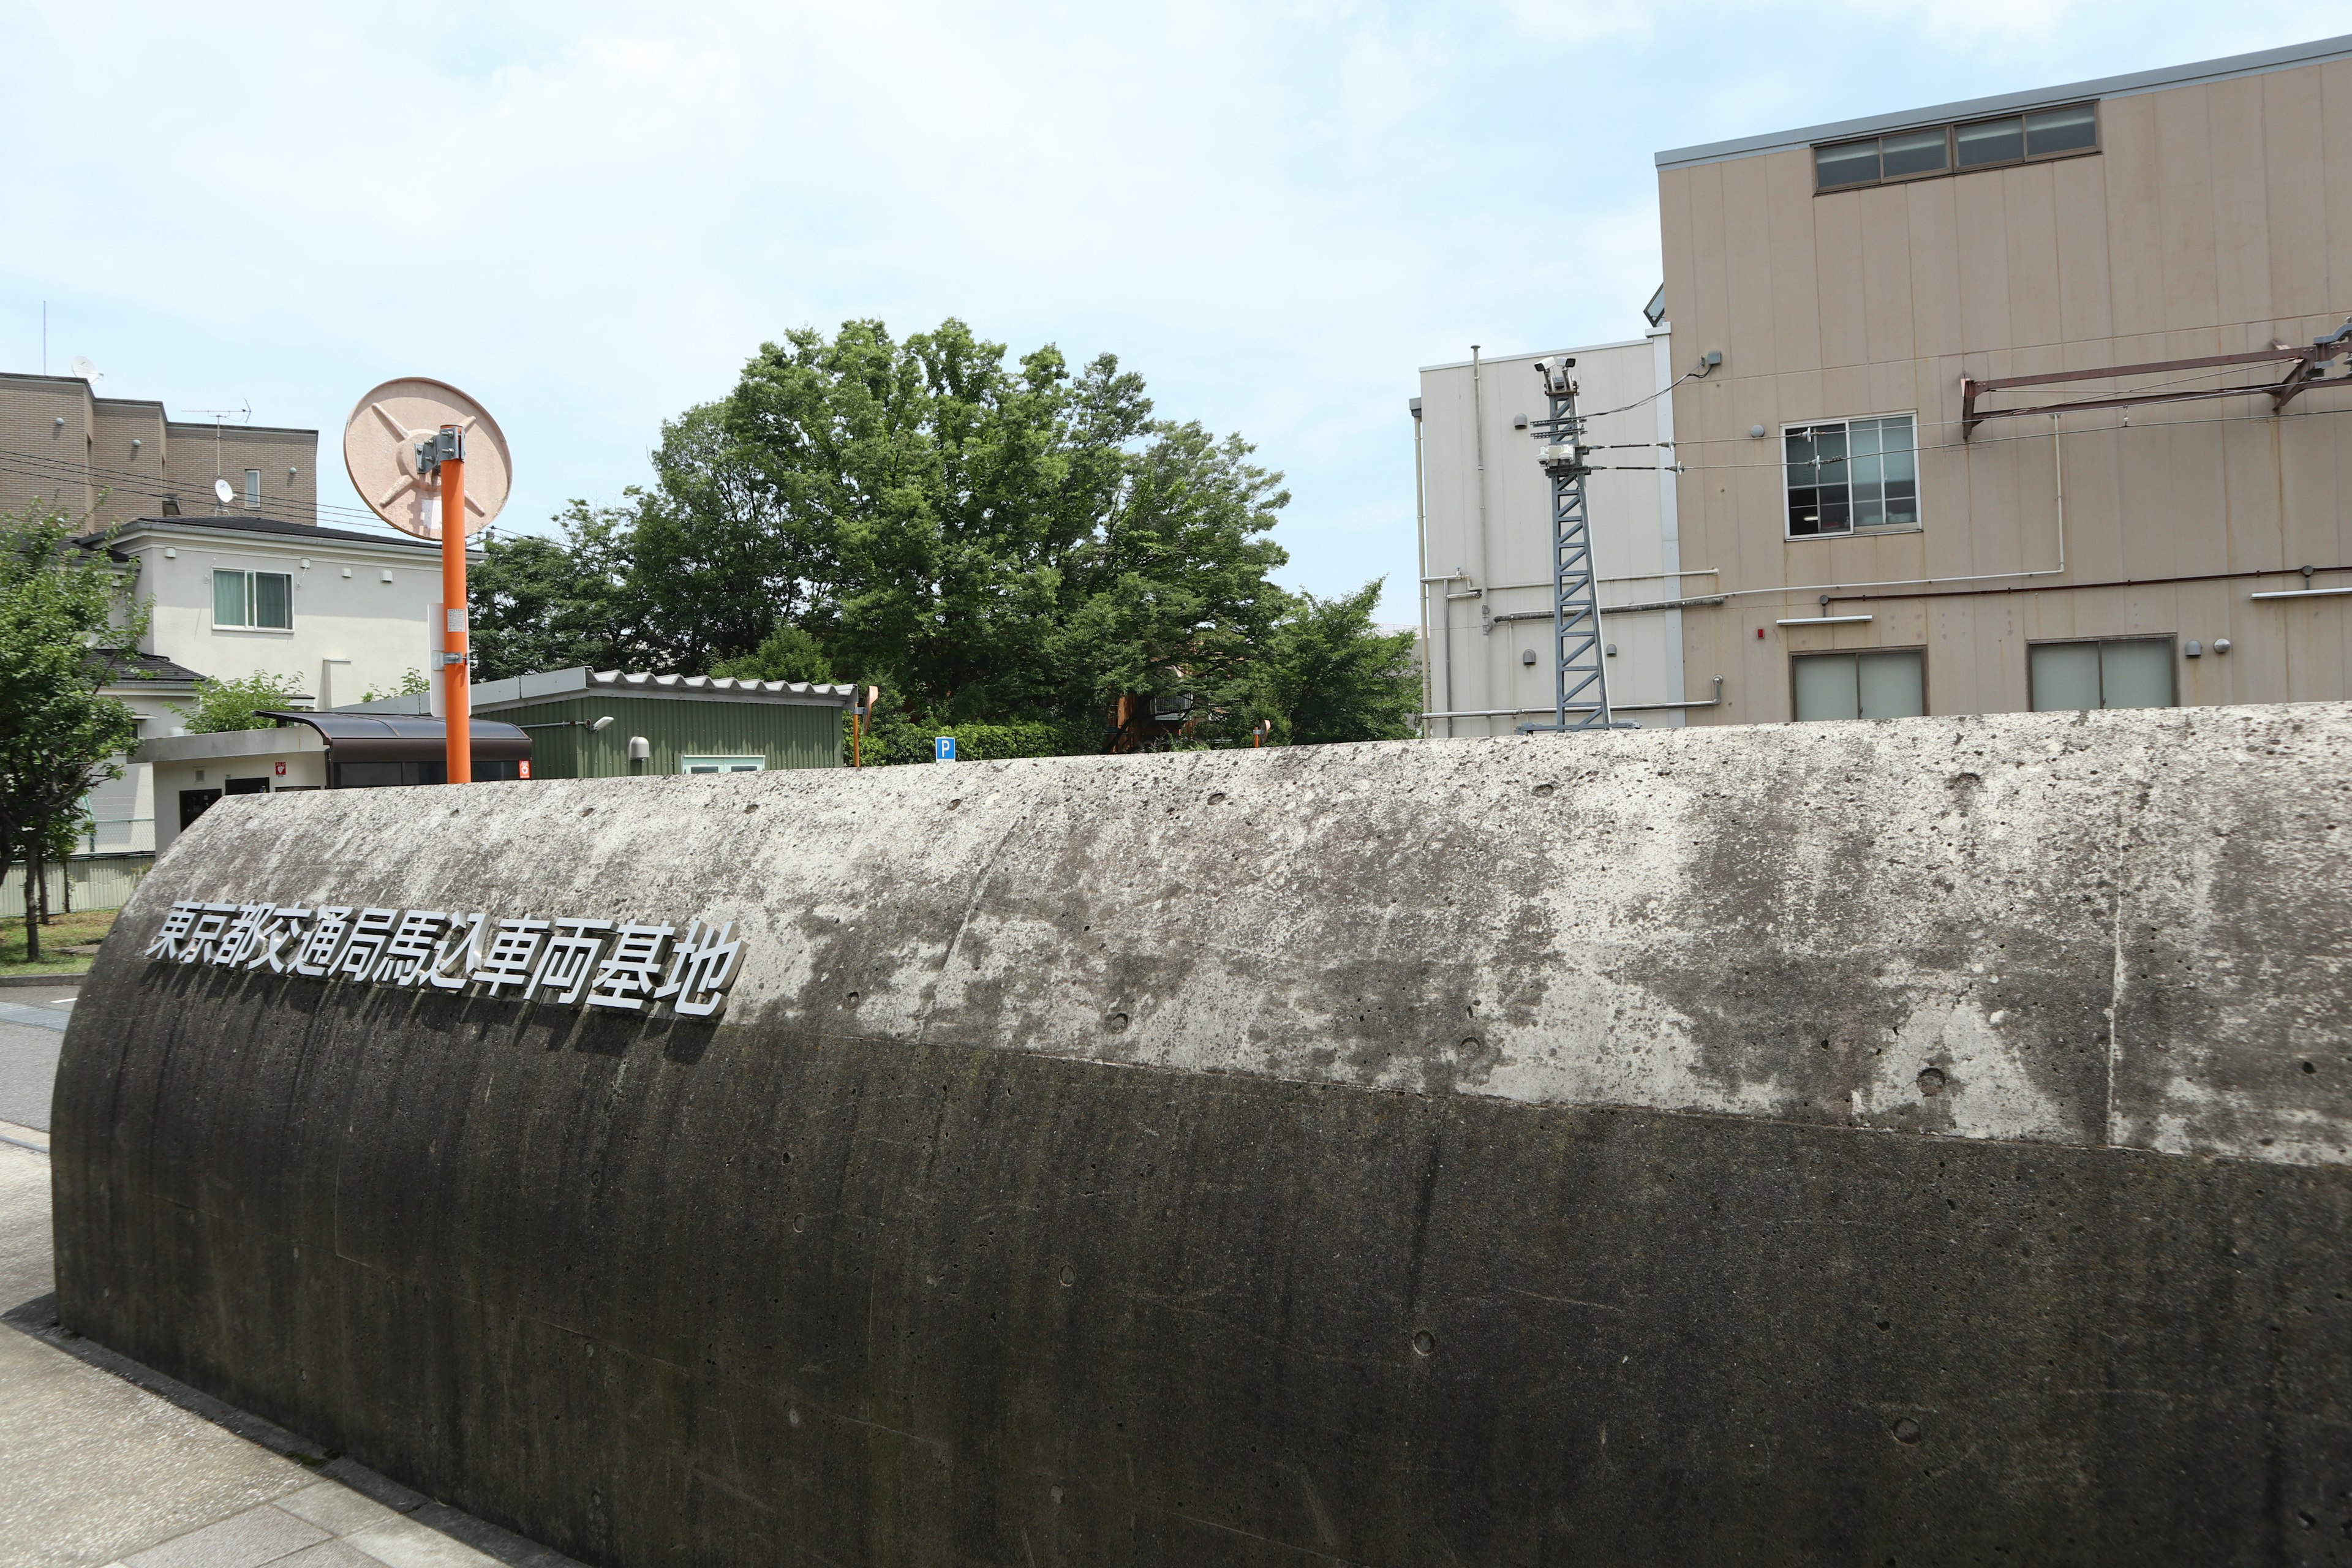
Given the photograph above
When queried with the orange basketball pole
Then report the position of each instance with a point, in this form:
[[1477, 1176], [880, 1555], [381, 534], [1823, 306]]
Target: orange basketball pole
[[457, 701]]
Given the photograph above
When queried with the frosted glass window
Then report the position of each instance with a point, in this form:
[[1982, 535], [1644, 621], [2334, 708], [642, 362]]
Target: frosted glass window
[[721, 765], [1826, 689], [2065, 675], [228, 598], [1883, 683], [2135, 674], [2121, 672], [253, 486], [1891, 685]]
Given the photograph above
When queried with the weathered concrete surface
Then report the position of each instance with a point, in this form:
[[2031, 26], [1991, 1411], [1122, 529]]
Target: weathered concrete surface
[[1485, 1151]]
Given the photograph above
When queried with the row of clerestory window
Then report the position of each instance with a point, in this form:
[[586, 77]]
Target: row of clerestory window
[[1957, 149]]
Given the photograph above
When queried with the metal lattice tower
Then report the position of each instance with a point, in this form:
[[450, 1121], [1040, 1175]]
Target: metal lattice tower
[[1579, 682]]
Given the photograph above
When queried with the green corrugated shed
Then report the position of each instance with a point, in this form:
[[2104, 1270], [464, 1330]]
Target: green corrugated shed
[[781, 734]]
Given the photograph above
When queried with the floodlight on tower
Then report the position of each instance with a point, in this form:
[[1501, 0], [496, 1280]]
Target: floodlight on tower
[[431, 461]]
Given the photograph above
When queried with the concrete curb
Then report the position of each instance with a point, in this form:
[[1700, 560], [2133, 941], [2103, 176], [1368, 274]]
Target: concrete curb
[[63, 978]]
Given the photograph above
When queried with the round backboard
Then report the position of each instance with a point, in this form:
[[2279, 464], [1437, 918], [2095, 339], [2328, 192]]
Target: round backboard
[[380, 454]]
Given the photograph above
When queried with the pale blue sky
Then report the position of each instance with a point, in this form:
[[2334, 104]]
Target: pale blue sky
[[590, 215]]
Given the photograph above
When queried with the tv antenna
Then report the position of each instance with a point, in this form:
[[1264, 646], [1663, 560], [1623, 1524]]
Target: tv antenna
[[1580, 681], [220, 417]]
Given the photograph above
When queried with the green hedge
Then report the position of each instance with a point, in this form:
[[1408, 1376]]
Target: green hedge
[[974, 743]]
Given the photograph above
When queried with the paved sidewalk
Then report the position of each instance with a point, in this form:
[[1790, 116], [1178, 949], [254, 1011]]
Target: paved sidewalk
[[104, 1462], [32, 1026]]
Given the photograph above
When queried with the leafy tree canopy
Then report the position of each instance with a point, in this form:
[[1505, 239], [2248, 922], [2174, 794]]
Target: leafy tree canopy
[[63, 608], [1334, 676], [238, 704], [992, 541]]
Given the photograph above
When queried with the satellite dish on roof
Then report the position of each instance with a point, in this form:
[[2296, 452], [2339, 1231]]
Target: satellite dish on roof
[[379, 443], [225, 491], [87, 372]]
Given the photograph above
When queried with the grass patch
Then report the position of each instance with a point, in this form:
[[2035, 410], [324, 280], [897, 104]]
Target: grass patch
[[78, 928]]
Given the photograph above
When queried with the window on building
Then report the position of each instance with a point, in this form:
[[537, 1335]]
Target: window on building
[[257, 599], [1957, 149], [1845, 474], [253, 487], [1884, 683], [1990, 141], [2110, 672], [721, 765]]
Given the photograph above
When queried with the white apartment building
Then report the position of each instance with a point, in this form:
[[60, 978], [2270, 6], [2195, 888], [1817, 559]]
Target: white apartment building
[[339, 613], [1486, 538]]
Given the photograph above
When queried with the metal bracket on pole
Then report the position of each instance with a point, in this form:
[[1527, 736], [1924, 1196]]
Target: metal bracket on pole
[[1580, 681], [446, 446]]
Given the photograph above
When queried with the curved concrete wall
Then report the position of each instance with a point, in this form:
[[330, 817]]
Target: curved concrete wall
[[1920, 1142]]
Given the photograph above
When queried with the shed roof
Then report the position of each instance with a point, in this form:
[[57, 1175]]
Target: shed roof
[[555, 685], [403, 737]]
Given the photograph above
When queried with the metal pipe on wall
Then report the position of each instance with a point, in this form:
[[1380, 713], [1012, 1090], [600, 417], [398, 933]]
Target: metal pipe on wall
[[1421, 533], [1478, 447]]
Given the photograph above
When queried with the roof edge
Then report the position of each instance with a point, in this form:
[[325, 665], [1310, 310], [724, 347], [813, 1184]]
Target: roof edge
[[197, 523], [2286, 56], [1517, 354]]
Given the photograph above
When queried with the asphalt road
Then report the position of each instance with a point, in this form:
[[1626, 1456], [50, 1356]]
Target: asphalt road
[[32, 1028]]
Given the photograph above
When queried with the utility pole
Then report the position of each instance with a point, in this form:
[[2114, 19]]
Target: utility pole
[[442, 456], [1580, 681]]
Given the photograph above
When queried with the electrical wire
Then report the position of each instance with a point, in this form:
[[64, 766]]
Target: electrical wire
[[64, 470], [1653, 397], [134, 482]]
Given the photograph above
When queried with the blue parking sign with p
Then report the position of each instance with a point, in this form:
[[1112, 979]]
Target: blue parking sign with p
[[944, 748]]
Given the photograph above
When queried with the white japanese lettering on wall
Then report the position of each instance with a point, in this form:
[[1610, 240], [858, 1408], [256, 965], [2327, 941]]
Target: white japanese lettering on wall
[[628, 966]]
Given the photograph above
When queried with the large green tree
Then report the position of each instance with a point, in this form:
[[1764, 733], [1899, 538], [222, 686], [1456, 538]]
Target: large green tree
[[64, 608], [991, 542]]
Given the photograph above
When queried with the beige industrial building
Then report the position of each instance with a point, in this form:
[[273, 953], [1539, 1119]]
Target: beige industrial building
[[1485, 512], [113, 458], [2028, 402], [2020, 406]]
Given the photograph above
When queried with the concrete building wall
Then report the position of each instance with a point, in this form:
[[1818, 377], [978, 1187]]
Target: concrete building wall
[[46, 426], [127, 460], [360, 608], [187, 769], [116, 459], [2206, 222], [288, 461], [1487, 534]]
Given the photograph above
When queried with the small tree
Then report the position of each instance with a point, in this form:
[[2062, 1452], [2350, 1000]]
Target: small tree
[[223, 705], [412, 683], [64, 606], [788, 653], [1331, 675]]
